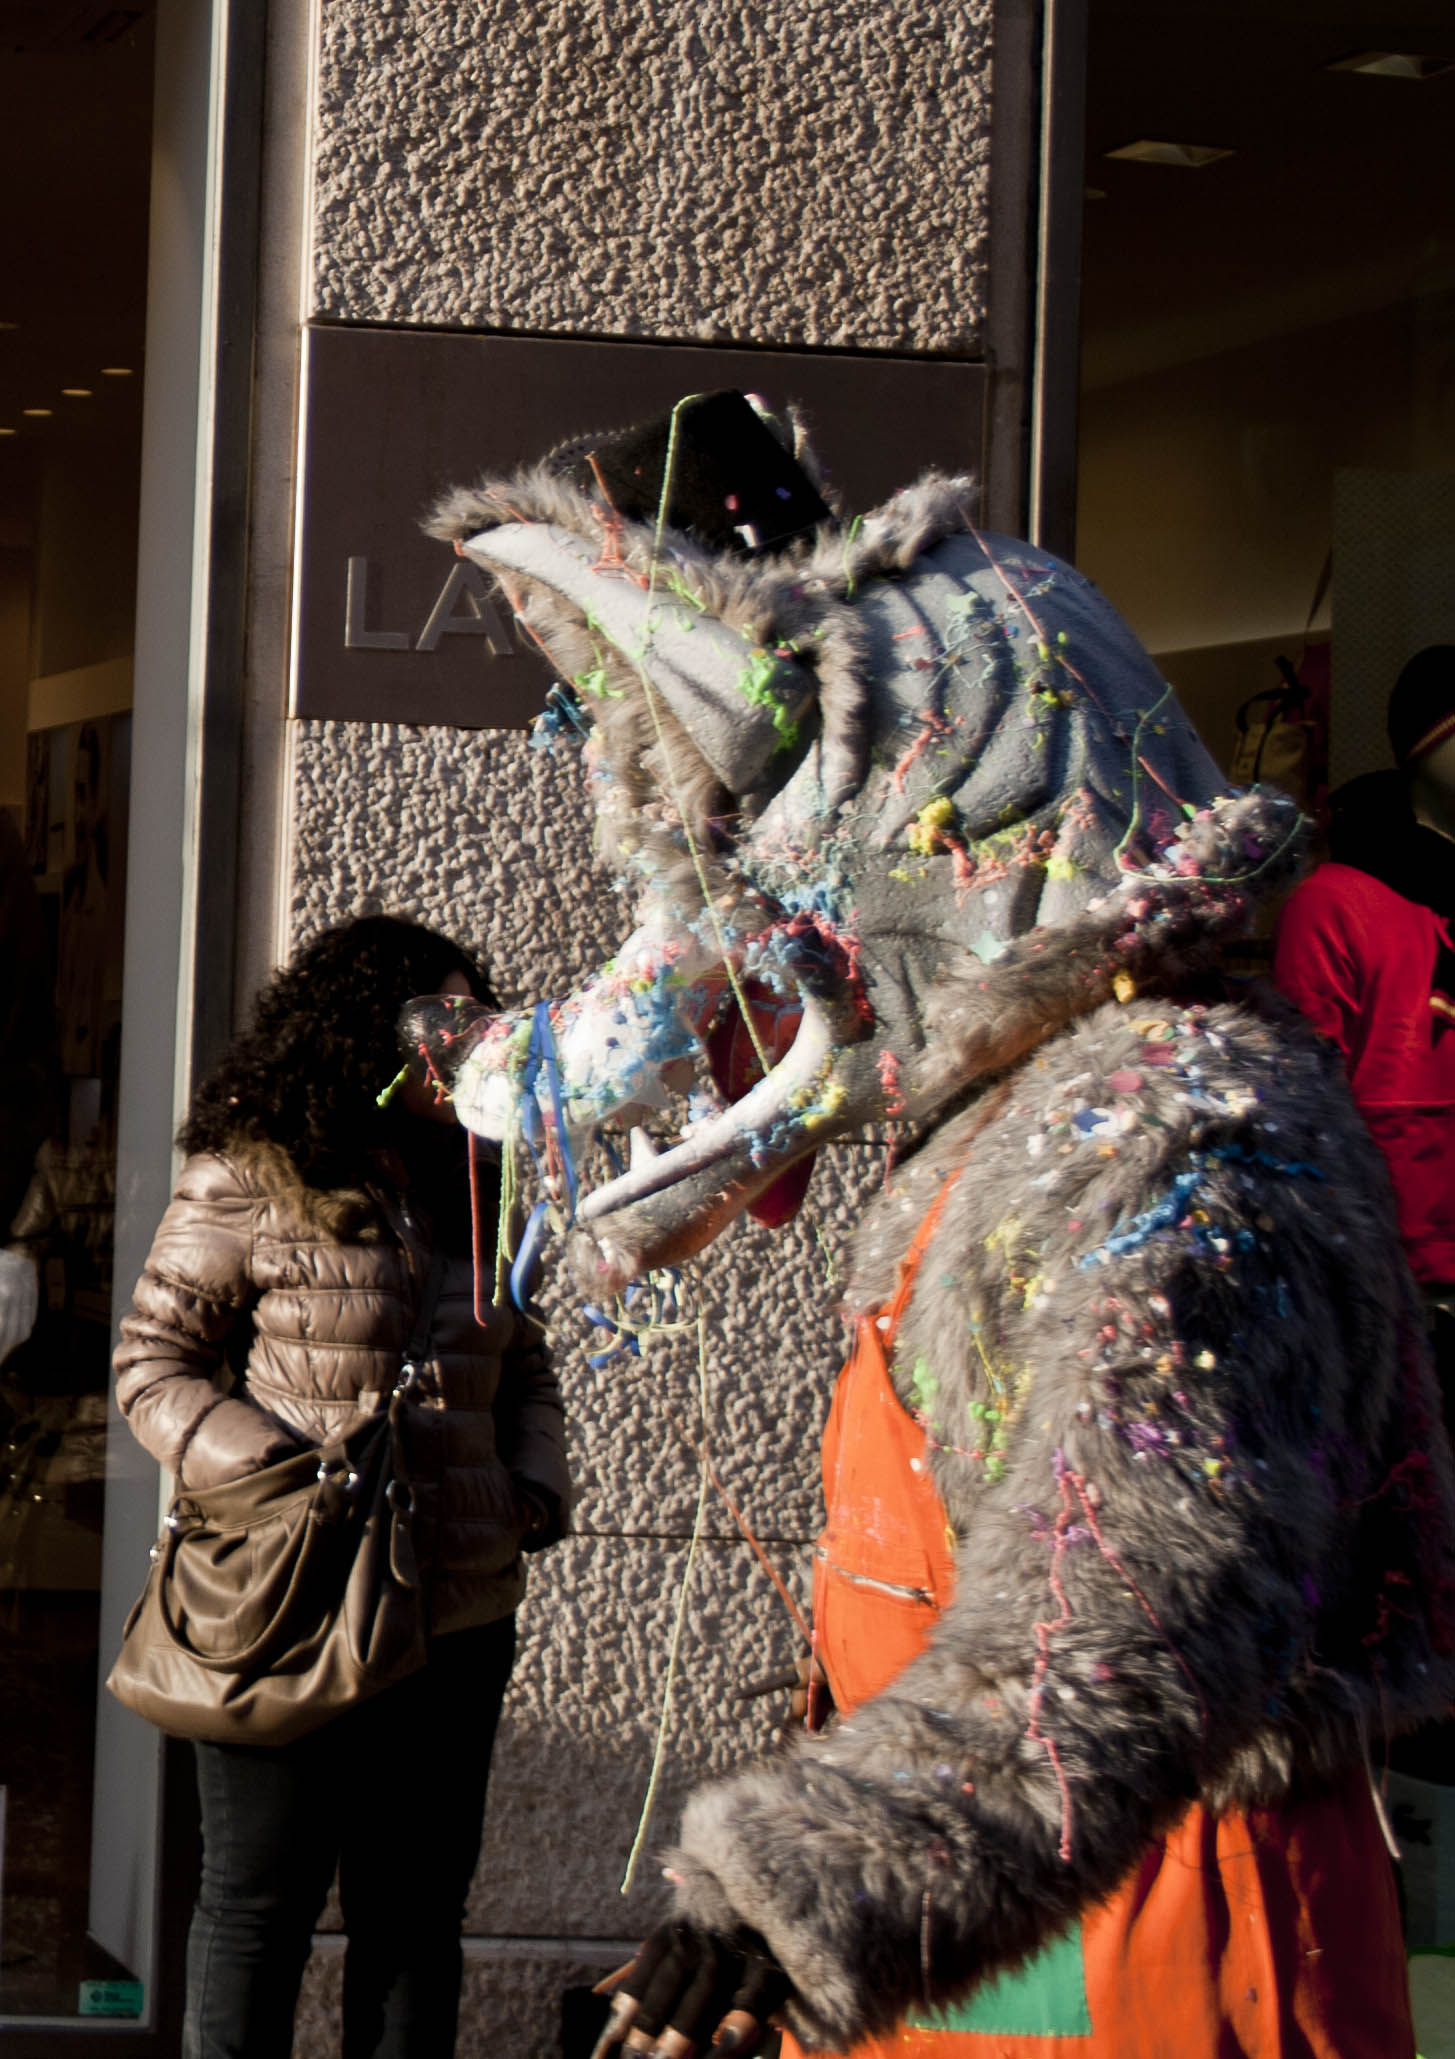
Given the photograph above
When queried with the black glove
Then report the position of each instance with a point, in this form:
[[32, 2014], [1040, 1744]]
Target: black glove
[[711, 1991]]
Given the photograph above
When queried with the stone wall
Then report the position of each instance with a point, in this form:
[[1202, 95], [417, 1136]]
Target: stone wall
[[805, 172], [796, 173]]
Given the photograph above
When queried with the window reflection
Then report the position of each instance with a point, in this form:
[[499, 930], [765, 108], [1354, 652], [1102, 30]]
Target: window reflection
[[76, 96], [53, 1390]]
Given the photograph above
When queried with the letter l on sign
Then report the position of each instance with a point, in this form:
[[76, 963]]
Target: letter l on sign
[[356, 602]]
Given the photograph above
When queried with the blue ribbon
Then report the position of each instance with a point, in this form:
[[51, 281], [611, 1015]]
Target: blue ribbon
[[527, 1258], [541, 1056]]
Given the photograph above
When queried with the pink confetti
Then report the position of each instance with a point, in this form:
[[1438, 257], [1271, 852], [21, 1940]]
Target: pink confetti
[[1124, 1082]]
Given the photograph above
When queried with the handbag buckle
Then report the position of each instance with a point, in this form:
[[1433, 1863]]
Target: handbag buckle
[[400, 1496], [409, 1377], [337, 1472]]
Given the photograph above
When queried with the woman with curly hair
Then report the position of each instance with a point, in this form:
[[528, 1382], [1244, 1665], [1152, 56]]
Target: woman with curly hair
[[275, 1307]]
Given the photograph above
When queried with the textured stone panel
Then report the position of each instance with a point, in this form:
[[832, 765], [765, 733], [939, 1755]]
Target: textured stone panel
[[801, 171], [470, 830], [774, 1344], [571, 1765], [510, 2003]]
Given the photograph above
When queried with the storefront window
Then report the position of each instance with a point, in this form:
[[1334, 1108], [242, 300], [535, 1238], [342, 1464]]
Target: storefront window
[[1268, 355], [75, 127]]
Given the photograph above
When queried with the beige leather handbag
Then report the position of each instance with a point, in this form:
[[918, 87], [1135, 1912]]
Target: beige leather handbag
[[281, 1599]]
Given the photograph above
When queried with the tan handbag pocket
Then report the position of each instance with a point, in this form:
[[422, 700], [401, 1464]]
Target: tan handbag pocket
[[231, 1580]]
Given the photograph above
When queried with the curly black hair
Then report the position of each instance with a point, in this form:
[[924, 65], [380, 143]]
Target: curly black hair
[[306, 1073]]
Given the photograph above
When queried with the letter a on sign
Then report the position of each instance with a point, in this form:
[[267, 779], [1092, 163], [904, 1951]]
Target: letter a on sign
[[481, 617]]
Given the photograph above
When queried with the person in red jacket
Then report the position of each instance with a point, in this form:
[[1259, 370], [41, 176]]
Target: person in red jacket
[[1365, 950]]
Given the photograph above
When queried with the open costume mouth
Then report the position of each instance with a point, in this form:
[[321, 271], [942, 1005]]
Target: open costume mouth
[[608, 1056]]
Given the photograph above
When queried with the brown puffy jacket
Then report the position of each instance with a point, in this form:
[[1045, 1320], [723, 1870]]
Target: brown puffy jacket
[[270, 1313]]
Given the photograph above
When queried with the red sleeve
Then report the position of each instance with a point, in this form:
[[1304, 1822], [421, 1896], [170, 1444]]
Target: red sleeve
[[1316, 963]]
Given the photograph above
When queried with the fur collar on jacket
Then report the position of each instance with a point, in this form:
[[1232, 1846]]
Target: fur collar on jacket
[[343, 1215]]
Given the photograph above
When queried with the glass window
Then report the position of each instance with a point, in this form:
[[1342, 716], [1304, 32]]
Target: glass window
[[75, 132], [1268, 342]]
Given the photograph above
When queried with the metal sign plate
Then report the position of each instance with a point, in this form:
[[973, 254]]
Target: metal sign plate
[[390, 626]]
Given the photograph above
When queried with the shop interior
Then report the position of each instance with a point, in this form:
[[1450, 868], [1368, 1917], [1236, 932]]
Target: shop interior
[[1267, 400], [75, 168]]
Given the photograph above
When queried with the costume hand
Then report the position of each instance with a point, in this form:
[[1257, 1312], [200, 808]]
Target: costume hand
[[19, 1300], [690, 1990]]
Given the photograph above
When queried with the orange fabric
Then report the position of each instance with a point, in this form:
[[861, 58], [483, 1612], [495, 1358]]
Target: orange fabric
[[1270, 1934], [886, 1524]]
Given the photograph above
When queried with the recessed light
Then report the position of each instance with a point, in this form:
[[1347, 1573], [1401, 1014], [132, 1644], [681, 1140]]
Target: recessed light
[[35, 411], [1394, 64], [1191, 156], [9, 325], [76, 392], [116, 371], [7, 432]]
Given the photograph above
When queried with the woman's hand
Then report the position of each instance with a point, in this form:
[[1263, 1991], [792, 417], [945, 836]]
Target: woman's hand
[[690, 1991], [540, 1515]]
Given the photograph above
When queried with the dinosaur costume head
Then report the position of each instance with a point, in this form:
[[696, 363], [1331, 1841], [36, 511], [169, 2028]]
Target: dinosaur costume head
[[910, 796]]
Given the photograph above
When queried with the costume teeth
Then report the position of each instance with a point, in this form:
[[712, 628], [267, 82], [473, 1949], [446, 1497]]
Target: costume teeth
[[643, 1150]]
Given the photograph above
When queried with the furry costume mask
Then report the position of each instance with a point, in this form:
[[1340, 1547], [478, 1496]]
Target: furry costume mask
[[914, 793]]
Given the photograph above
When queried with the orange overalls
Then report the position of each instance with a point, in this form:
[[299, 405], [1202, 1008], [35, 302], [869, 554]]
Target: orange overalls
[[1258, 1934]]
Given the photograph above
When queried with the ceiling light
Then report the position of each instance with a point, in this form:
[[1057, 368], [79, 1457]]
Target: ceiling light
[[1394, 64], [9, 325], [116, 371], [7, 432], [76, 392], [1191, 156], [35, 411]]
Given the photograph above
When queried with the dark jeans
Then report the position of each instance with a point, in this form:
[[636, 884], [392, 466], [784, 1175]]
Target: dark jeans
[[393, 1796]]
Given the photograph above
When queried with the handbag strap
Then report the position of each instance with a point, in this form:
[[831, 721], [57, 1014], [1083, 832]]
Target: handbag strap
[[416, 1350]]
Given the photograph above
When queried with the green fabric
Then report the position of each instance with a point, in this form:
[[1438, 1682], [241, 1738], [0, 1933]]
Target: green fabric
[[1044, 1998]]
